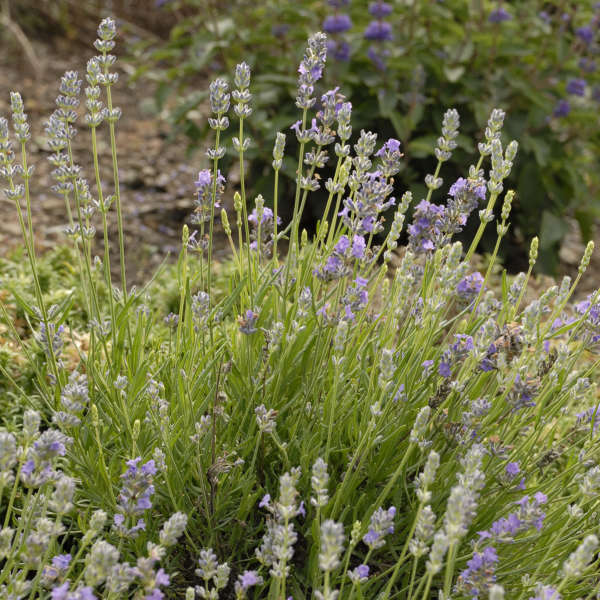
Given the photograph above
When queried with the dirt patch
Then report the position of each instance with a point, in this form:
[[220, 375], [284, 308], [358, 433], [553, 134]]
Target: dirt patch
[[156, 177]]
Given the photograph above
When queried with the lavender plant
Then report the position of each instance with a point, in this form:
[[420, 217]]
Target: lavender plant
[[344, 420]]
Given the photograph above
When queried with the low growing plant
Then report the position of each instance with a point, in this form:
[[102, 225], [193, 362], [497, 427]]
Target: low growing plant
[[322, 427]]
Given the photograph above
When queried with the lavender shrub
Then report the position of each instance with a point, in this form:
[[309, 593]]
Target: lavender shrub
[[342, 421]]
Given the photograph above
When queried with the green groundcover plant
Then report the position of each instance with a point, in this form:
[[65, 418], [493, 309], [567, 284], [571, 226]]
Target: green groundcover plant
[[402, 63], [313, 426]]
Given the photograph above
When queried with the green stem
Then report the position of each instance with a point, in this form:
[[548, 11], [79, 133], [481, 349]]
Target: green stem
[[113, 150], [245, 209]]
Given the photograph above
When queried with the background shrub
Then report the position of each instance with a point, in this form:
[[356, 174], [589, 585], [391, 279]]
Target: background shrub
[[534, 59]]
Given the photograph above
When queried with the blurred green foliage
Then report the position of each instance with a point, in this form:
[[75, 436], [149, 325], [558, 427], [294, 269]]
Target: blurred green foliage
[[443, 54]]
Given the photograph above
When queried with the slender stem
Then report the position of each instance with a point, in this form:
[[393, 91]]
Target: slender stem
[[113, 150], [449, 570], [275, 212], [480, 230], [29, 247], [435, 176], [103, 210], [245, 209], [212, 213]]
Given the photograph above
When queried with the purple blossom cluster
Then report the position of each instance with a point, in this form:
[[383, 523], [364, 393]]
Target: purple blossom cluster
[[355, 299], [576, 87], [468, 287], [39, 468], [457, 352], [335, 25], [479, 575], [465, 195], [390, 156], [362, 212], [379, 32], [587, 46], [499, 15], [134, 498], [591, 416], [523, 392], [345, 253], [263, 226], [247, 323], [74, 399], [425, 232], [589, 315], [380, 525], [311, 70], [529, 515], [204, 198], [61, 592]]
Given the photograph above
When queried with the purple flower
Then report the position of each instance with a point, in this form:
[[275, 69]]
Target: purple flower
[[361, 212], [479, 575], [427, 364], [469, 287], [50, 445], [562, 109], [576, 87], [457, 352], [380, 31], [28, 467], [247, 322], [499, 15], [338, 50], [391, 146], [464, 186], [265, 502], [61, 561], [61, 592], [380, 10], [162, 578], [512, 469], [337, 23], [378, 55], [585, 33], [338, 3], [544, 16], [545, 592], [444, 369], [371, 537], [203, 201], [380, 525], [204, 178], [362, 571], [249, 578], [591, 415], [137, 488], [425, 230], [358, 247], [280, 30], [266, 217], [342, 246], [587, 64]]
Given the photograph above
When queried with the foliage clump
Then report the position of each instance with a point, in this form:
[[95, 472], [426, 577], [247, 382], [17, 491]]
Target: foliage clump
[[307, 424]]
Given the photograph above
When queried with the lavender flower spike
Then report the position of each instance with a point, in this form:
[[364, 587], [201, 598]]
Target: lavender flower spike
[[311, 70]]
